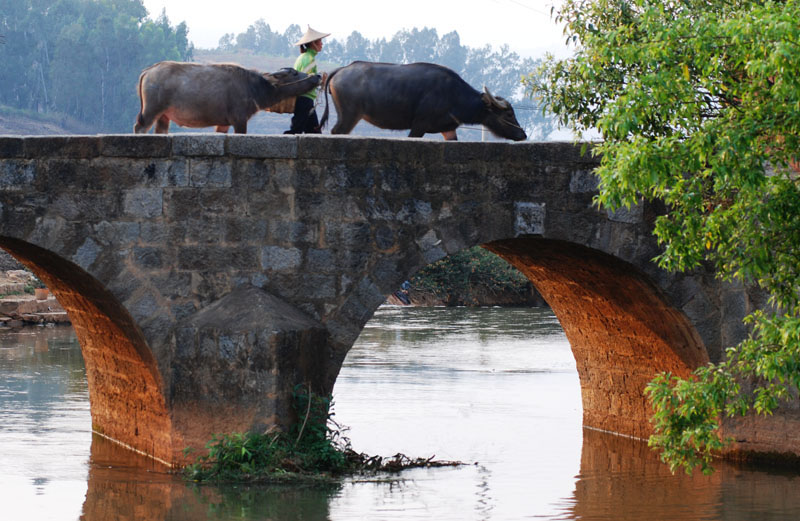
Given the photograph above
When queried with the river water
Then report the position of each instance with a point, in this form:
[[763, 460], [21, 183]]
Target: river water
[[496, 388]]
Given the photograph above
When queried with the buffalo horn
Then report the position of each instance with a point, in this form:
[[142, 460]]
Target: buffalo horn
[[503, 105]]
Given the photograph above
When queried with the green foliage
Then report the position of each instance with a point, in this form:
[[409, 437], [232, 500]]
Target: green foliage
[[698, 104], [83, 58], [313, 446], [465, 272]]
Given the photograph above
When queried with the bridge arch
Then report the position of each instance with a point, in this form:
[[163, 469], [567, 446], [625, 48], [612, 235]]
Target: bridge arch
[[122, 373], [621, 327]]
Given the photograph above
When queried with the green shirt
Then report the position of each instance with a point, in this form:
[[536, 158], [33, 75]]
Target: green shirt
[[307, 63]]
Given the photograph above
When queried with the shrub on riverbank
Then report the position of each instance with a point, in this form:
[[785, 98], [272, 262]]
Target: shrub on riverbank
[[313, 450], [472, 277]]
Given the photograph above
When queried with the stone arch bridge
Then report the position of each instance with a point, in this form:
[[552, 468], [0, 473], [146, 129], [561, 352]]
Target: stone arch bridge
[[207, 275]]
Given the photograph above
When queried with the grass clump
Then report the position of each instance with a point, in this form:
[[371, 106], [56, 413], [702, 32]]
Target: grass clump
[[313, 450]]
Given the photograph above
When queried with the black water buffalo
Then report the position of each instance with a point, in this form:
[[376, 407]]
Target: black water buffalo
[[422, 97], [220, 94]]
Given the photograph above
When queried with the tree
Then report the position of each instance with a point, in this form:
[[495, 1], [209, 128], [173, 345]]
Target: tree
[[698, 105], [82, 57]]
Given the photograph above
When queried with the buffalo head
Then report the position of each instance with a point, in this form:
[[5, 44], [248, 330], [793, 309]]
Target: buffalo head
[[500, 118], [290, 82]]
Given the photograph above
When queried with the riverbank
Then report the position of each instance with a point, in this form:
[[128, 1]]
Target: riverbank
[[483, 296], [23, 304]]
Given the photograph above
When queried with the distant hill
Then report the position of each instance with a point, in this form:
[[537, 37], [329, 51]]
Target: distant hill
[[19, 123]]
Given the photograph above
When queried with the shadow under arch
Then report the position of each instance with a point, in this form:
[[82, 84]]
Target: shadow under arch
[[125, 388], [621, 327]]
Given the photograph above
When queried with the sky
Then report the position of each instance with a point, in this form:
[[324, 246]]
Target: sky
[[524, 25]]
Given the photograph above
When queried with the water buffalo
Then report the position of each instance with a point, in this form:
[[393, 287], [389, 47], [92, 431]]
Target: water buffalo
[[422, 97], [220, 94]]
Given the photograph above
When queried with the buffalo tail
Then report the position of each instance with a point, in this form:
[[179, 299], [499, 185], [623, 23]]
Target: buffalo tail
[[140, 115], [326, 88]]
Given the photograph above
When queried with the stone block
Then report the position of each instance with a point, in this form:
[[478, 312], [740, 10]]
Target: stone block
[[275, 258], [205, 257], [631, 215], [17, 175], [62, 146], [431, 247], [292, 232], [315, 286], [320, 261], [244, 258], [135, 145], [173, 284], [152, 173], [350, 236], [244, 230], [415, 211], [207, 229], [182, 204], [252, 175], [416, 152], [86, 254], [12, 146], [310, 146], [210, 173], [222, 201], [583, 181], [161, 232], [273, 147], [117, 233], [530, 218], [384, 237], [143, 203], [198, 144], [148, 258], [144, 307], [462, 152]]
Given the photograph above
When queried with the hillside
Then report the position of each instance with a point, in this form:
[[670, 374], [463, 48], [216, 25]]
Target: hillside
[[18, 123]]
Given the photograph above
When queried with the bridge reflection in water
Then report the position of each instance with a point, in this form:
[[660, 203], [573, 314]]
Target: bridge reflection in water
[[620, 479], [611, 478]]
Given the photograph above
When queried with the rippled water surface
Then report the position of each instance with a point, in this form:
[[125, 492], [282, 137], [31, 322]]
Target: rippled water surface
[[496, 388]]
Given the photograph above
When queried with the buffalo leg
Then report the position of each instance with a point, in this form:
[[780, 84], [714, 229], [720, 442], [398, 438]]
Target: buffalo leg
[[416, 132], [162, 125], [221, 128], [239, 128], [344, 125], [143, 123], [139, 127], [450, 135]]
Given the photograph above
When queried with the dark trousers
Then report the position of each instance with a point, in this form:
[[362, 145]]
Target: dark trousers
[[304, 120]]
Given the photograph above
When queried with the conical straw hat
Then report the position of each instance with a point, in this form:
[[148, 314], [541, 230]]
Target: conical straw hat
[[310, 36]]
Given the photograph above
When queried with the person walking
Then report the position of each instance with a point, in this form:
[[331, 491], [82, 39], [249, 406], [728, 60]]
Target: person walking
[[304, 120]]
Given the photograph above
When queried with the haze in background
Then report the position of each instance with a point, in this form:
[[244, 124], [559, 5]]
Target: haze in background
[[526, 26]]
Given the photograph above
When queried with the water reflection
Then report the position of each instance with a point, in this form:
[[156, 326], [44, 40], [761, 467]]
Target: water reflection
[[623, 479], [128, 487], [494, 387]]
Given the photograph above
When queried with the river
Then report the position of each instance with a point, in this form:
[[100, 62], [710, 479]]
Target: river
[[496, 388]]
